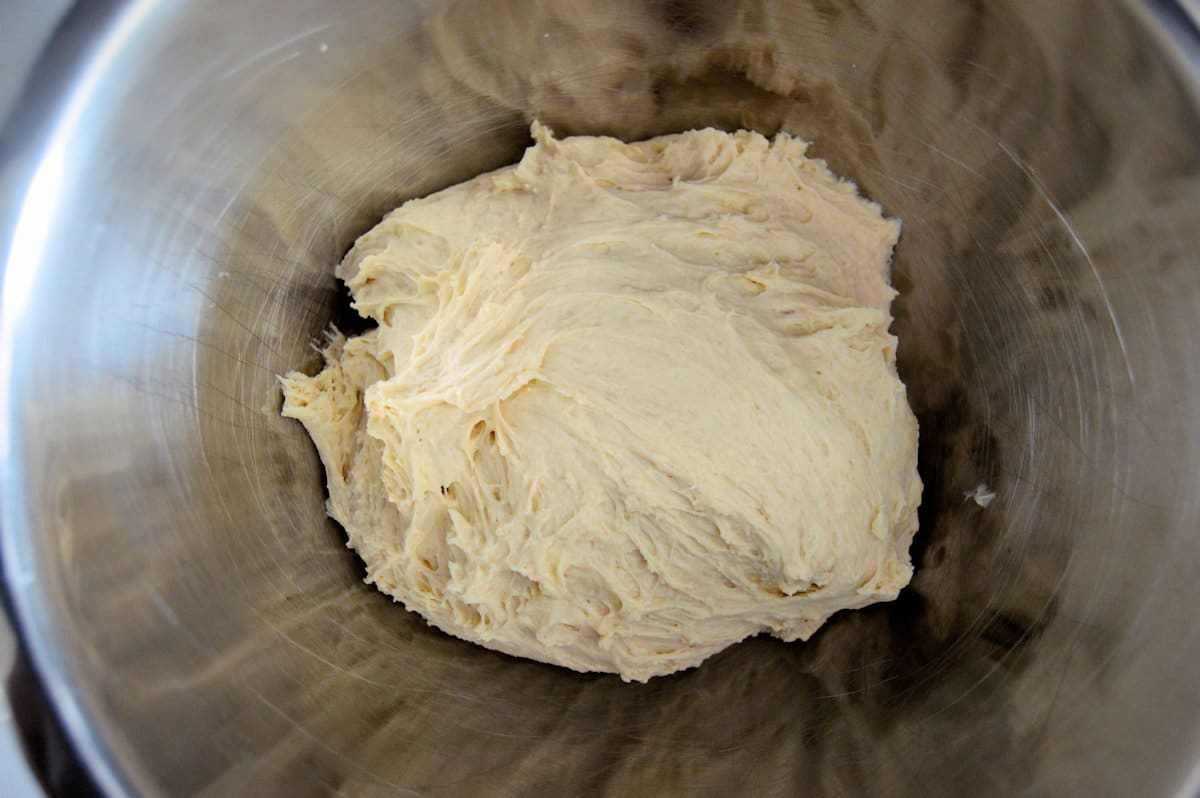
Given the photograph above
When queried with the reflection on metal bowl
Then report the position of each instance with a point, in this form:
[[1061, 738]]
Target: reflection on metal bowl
[[195, 169]]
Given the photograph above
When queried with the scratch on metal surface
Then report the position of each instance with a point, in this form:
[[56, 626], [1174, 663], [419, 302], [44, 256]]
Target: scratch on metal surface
[[235, 319], [318, 742], [1087, 255], [270, 51]]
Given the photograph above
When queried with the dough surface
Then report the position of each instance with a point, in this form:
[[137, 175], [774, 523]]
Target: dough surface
[[626, 404]]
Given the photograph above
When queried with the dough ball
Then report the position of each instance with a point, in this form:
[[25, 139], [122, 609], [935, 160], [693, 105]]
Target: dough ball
[[626, 404]]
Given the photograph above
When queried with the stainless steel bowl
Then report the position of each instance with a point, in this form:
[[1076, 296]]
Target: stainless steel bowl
[[190, 172]]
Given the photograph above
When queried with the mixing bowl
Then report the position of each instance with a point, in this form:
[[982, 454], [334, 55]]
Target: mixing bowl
[[190, 172]]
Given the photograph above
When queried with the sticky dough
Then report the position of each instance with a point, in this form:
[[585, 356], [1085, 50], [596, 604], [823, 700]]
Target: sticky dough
[[626, 404]]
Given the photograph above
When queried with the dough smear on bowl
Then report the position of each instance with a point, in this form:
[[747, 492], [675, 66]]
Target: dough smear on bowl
[[626, 404]]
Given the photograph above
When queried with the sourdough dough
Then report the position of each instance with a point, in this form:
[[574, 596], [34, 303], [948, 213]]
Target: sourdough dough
[[626, 404]]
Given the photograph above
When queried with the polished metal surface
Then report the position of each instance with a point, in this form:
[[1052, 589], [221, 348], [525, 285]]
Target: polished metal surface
[[202, 628]]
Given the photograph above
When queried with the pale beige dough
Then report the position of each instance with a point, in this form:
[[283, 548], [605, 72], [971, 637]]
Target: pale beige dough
[[626, 404]]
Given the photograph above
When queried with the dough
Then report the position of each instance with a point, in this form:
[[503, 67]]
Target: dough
[[626, 404]]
